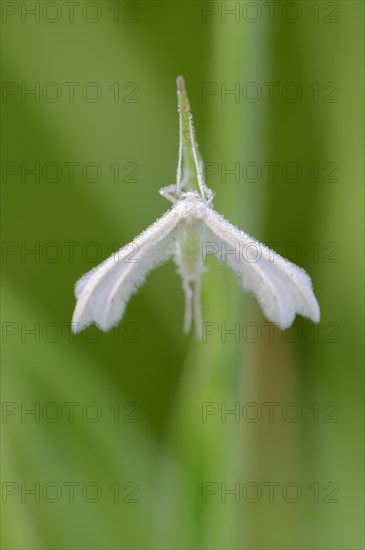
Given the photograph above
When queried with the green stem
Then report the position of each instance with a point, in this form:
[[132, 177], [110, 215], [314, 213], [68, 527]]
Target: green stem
[[190, 157]]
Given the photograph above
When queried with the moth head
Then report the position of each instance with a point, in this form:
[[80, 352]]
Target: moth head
[[207, 197], [193, 206]]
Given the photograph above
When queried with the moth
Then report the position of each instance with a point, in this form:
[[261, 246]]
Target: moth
[[186, 233]]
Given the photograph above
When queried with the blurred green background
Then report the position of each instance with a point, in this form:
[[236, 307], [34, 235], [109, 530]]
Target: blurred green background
[[131, 443]]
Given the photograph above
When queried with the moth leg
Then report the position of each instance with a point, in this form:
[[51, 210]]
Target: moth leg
[[197, 309], [169, 193], [188, 305]]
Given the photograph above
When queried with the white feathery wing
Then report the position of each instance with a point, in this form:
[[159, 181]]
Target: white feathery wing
[[103, 293], [282, 288]]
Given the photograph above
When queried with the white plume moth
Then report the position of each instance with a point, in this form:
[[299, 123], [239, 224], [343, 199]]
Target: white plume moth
[[186, 234]]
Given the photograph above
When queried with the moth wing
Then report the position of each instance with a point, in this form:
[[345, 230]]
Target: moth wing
[[103, 293], [281, 288]]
